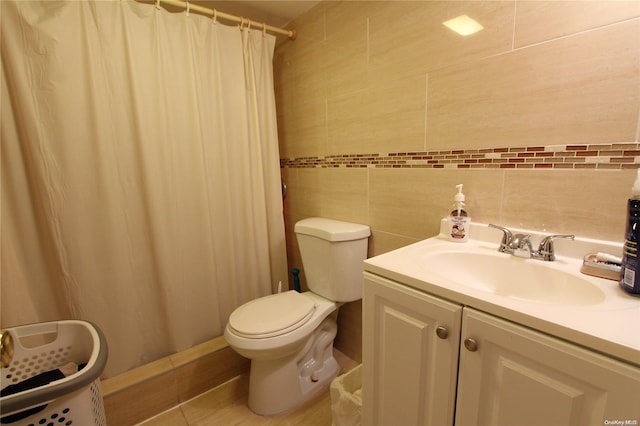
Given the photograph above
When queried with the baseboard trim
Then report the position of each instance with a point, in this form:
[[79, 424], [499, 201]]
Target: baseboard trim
[[146, 391]]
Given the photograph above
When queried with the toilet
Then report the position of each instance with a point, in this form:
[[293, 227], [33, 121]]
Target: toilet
[[289, 336]]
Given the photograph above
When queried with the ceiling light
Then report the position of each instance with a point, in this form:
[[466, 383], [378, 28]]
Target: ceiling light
[[463, 25]]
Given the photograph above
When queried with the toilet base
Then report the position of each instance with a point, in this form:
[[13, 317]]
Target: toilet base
[[278, 385]]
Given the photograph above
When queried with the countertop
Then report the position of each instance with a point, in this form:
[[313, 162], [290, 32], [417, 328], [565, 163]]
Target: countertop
[[611, 326]]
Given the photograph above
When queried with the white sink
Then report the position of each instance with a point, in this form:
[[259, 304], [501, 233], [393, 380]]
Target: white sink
[[553, 297], [512, 277]]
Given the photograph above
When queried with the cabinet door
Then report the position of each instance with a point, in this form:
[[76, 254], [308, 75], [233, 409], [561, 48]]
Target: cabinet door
[[517, 376], [409, 363]]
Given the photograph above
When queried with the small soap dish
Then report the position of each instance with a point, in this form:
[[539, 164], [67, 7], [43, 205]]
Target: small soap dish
[[592, 266]]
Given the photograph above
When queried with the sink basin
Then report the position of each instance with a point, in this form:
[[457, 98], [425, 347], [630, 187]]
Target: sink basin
[[513, 277]]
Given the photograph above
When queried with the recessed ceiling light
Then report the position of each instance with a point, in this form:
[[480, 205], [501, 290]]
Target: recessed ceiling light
[[463, 25]]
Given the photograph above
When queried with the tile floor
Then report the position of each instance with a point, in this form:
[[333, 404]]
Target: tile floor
[[227, 405]]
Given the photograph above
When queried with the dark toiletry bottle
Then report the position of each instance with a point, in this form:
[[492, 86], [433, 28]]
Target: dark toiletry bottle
[[630, 278]]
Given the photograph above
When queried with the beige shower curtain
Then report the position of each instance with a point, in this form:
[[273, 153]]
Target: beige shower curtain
[[140, 172]]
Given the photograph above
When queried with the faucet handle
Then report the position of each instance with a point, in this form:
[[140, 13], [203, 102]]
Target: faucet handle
[[507, 238], [546, 249]]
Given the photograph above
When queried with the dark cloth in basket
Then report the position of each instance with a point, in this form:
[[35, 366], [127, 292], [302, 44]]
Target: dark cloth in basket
[[41, 379]]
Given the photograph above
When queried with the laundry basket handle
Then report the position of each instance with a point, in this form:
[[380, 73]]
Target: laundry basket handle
[[35, 329], [29, 330]]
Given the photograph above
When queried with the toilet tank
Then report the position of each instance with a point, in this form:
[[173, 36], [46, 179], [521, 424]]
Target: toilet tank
[[332, 254]]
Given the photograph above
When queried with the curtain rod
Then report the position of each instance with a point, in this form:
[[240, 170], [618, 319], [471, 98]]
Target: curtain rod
[[242, 21]]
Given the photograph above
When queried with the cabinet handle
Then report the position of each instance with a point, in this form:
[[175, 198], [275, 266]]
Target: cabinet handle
[[442, 332], [471, 344]]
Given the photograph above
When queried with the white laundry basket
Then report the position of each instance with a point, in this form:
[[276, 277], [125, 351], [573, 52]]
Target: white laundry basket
[[73, 400], [346, 398]]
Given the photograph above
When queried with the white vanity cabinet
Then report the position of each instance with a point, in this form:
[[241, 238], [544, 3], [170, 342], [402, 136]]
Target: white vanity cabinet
[[411, 343], [512, 375], [483, 371]]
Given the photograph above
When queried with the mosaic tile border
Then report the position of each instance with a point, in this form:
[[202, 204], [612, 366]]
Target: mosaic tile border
[[614, 156]]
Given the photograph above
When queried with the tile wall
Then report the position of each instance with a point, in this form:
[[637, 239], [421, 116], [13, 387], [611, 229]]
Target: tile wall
[[382, 110]]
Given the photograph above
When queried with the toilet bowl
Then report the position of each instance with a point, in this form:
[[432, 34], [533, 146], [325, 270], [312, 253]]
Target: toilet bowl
[[289, 336], [289, 364]]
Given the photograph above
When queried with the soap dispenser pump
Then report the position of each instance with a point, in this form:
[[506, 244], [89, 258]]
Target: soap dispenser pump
[[459, 220]]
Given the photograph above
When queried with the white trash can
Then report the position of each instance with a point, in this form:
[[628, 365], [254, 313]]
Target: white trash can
[[346, 398]]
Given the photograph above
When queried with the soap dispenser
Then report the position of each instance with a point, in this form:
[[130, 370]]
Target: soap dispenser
[[630, 277], [458, 219]]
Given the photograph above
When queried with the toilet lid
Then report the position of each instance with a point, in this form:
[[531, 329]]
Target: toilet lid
[[272, 315]]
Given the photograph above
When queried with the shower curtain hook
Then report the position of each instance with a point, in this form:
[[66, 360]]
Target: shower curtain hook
[[158, 4], [264, 29], [215, 16], [188, 7]]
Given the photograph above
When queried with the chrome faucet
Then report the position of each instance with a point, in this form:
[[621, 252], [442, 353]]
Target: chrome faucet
[[520, 245]]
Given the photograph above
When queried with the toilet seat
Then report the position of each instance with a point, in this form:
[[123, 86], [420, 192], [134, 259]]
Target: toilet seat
[[272, 315]]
